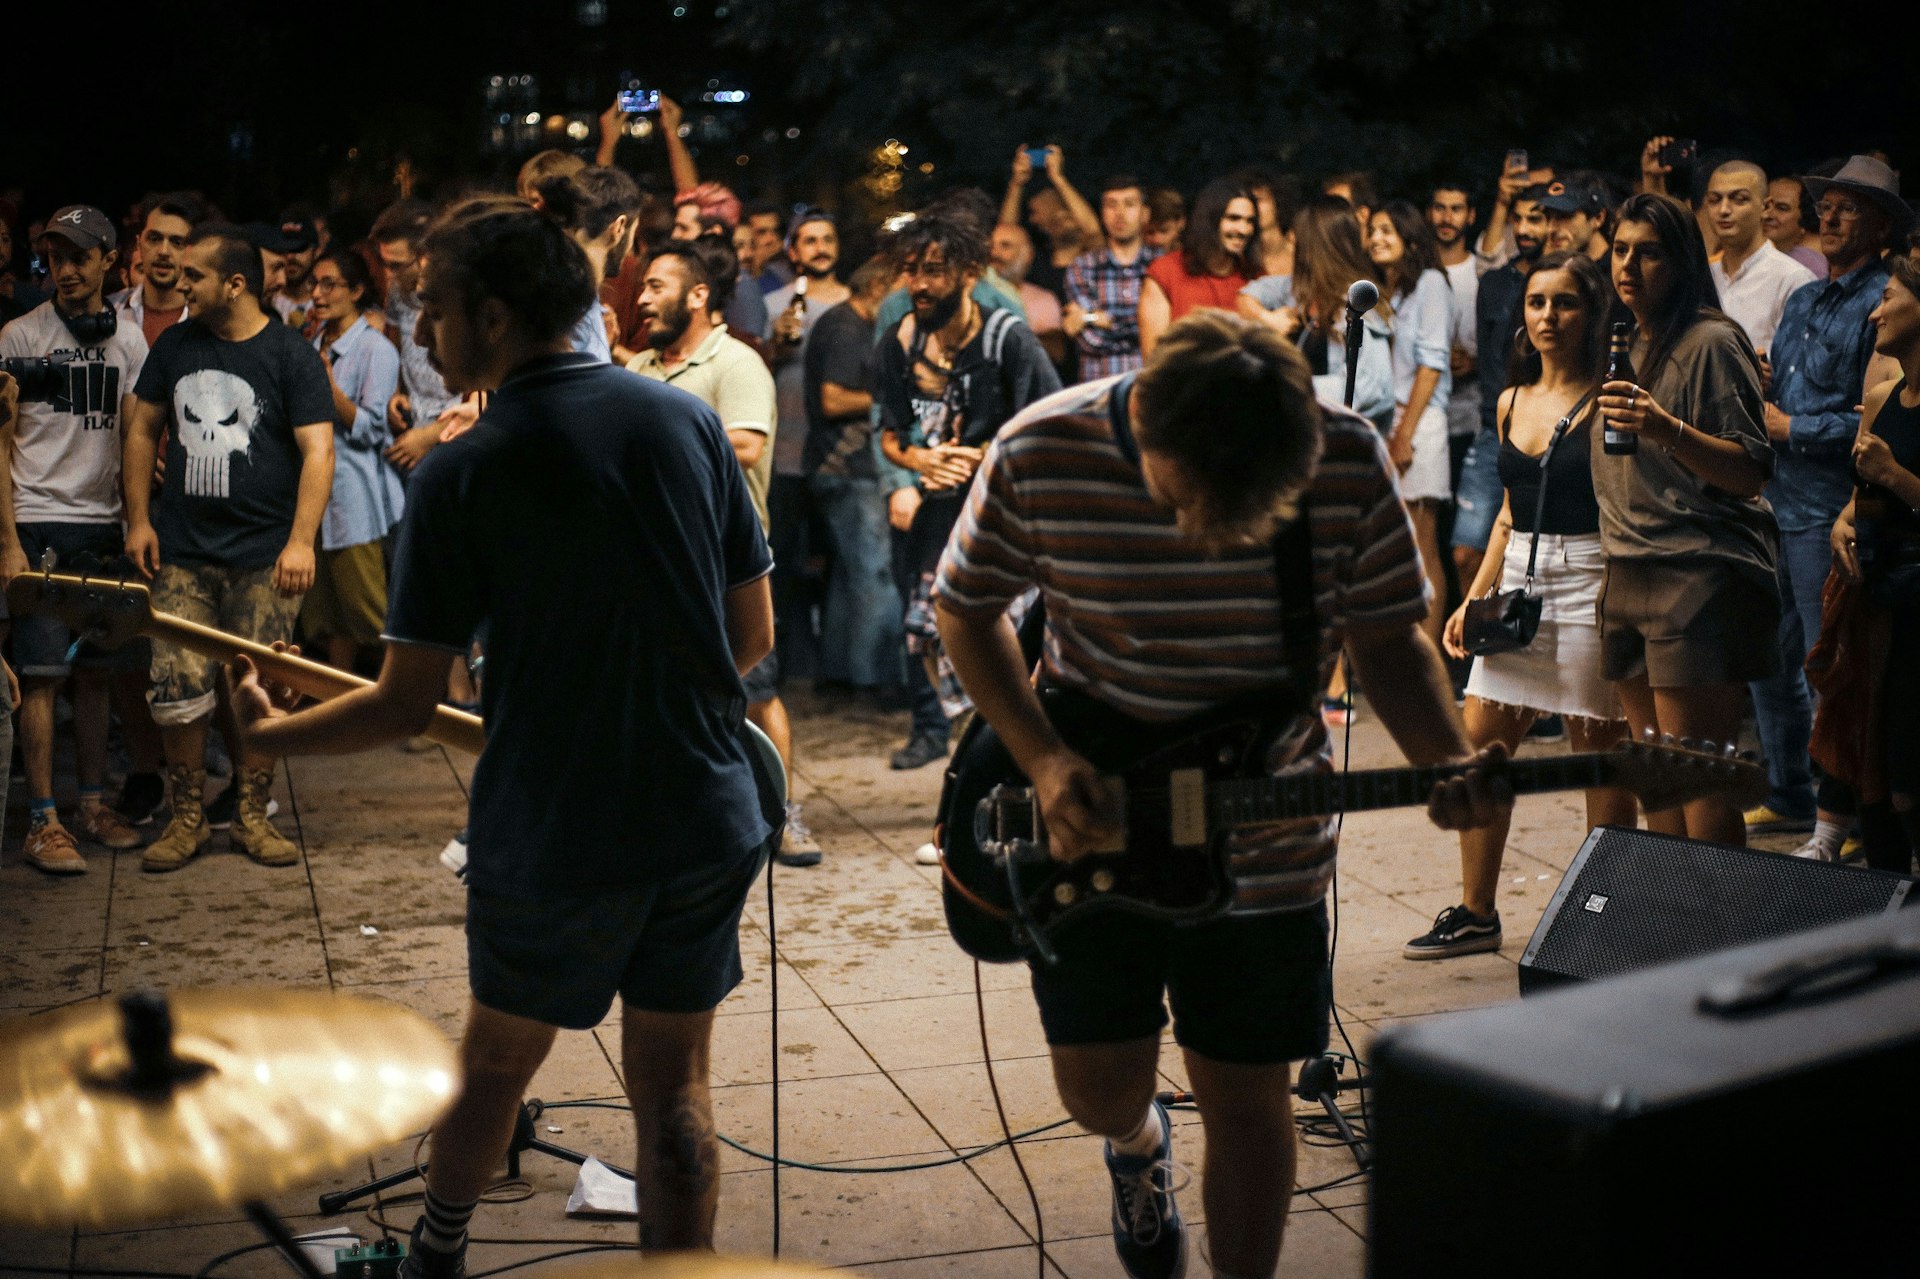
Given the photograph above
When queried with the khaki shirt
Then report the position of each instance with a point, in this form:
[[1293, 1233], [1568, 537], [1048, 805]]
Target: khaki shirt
[[1654, 507], [734, 381]]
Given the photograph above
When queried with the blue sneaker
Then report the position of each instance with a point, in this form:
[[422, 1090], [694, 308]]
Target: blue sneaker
[[1147, 1233]]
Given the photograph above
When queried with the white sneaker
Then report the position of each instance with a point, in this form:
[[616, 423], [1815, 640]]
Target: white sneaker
[[454, 856], [1814, 851], [927, 855]]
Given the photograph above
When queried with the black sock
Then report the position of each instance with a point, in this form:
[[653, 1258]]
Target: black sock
[[443, 1226]]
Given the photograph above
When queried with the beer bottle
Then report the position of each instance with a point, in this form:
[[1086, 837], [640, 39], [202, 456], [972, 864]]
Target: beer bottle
[[1620, 369]]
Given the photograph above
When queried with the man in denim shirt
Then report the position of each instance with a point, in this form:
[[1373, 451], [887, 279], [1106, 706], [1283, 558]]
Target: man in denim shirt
[[1820, 354]]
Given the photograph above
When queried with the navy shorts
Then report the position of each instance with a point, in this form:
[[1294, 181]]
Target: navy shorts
[[671, 947], [41, 641], [1246, 990]]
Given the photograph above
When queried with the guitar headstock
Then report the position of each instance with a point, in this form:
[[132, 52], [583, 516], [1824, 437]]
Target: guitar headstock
[[1665, 772], [107, 611]]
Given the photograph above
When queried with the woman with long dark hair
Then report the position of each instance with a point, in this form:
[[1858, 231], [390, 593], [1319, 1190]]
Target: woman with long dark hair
[[1404, 250], [1690, 602], [1214, 262], [1544, 418], [1876, 545]]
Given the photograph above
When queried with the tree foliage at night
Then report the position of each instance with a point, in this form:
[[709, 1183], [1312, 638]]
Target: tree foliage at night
[[1185, 89]]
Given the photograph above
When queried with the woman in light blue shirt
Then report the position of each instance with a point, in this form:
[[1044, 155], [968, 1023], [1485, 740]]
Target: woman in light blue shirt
[[1402, 246], [348, 603]]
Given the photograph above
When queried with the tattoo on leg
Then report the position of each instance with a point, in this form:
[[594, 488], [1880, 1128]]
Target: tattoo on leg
[[685, 1152]]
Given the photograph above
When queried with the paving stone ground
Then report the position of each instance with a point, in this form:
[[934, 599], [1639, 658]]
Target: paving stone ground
[[879, 1056]]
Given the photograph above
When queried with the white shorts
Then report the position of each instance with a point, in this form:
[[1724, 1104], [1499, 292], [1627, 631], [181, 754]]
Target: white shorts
[[1430, 477]]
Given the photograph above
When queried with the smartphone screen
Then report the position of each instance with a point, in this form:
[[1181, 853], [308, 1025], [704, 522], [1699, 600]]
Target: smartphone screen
[[1517, 160], [640, 101], [1037, 156]]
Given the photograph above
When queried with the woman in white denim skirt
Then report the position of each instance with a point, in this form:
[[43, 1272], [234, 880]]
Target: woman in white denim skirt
[[1544, 419]]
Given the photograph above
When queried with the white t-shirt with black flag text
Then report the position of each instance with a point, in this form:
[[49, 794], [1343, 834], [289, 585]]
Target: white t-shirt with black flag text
[[66, 455]]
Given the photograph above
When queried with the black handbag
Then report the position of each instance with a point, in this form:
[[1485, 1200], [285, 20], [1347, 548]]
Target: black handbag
[[1502, 621]]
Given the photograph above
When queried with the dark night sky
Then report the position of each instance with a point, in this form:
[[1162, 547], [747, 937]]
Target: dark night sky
[[313, 81]]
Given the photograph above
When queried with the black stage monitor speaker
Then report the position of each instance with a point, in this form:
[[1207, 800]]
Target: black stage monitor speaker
[[1632, 899], [1745, 1113]]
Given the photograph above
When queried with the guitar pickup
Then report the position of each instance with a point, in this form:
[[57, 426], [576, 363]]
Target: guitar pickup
[[1187, 789]]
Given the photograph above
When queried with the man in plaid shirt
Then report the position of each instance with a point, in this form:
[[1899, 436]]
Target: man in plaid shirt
[[1103, 287]]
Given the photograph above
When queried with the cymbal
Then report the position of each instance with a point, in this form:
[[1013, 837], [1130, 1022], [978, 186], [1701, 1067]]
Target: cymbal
[[261, 1091]]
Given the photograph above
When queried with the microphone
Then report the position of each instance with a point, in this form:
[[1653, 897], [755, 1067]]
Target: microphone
[[1362, 297]]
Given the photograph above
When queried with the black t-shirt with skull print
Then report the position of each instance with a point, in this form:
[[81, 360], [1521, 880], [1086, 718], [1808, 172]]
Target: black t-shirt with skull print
[[233, 467]]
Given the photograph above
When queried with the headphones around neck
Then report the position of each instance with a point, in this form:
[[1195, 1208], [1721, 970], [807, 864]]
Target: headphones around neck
[[93, 329]]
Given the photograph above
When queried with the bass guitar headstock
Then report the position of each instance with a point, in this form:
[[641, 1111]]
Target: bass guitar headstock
[[1665, 772], [106, 611]]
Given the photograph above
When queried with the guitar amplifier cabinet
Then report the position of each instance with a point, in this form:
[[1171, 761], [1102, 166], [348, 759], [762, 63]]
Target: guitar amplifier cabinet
[[1632, 899], [1749, 1112]]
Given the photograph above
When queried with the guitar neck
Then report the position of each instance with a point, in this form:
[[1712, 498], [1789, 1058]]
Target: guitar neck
[[1254, 800], [449, 727]]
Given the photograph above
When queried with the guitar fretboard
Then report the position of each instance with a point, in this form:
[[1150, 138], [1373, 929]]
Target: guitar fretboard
[[1241, 801]]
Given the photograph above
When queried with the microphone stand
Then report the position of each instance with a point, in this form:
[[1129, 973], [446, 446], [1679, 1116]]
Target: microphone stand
[[1356, 334]]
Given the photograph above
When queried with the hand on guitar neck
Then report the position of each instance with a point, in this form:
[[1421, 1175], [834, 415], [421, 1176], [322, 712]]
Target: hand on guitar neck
[[256, 699]]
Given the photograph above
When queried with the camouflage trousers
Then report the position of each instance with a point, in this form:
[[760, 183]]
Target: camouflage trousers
[[241, 602]]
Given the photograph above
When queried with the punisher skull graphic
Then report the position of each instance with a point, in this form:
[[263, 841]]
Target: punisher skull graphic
[[215, 413]]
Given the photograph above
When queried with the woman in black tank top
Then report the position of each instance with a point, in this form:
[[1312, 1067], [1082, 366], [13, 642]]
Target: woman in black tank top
[[1545, 417], [1876, 543]]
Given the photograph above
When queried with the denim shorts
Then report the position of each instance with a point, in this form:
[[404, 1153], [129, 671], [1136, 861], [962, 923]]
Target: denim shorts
[[1250, 990], [668, 947], [41, 641]]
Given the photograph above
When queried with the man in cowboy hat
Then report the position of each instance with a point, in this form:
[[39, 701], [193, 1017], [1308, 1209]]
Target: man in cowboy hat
[[1820, 354]]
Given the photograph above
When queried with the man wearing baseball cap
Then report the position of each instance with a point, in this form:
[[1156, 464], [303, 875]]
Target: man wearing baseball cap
[[1578, 210], [1820, 353], [60, 492], [294, 301]]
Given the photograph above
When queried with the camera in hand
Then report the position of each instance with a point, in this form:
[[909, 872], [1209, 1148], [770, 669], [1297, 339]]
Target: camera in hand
[[1620, 369], [1679, 153], [42, 378], [640, 101]]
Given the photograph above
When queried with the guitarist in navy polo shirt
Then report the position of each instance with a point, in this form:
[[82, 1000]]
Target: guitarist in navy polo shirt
[[1145, 508], [615, 821]]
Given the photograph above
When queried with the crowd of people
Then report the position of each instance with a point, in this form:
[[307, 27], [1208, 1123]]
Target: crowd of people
[[1679, 411], [859, 409]]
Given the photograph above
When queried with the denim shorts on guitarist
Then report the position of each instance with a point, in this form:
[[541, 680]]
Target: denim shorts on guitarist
[[671, 947], [1250, 990]]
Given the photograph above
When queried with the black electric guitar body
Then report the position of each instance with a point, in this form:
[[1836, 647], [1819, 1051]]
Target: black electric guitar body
[[1004, 894]]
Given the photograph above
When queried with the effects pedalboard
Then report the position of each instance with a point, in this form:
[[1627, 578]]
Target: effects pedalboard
[[377, 1260]]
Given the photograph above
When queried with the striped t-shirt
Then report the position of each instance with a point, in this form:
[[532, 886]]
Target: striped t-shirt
[[1148, 621]]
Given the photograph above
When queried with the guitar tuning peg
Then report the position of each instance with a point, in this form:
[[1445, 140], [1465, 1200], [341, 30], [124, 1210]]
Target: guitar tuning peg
[[1689, 744], [1647, 733], [1730, 751], [1666, 739]]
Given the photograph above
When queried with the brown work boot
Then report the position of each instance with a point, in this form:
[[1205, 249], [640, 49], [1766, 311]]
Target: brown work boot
[[252, 833], [105, 827], [51, 848], [187, 833]]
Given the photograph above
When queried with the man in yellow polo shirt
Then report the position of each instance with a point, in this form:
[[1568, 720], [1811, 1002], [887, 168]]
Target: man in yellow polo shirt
[[683, 294]]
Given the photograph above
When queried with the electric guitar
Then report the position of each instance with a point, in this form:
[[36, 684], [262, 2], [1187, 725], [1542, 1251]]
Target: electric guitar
[[1190, 784], [110, 612]]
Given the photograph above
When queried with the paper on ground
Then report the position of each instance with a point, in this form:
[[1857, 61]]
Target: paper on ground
[[602, 1192]]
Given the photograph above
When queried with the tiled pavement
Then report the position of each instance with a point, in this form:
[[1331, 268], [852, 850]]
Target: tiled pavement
[[879, 1040]]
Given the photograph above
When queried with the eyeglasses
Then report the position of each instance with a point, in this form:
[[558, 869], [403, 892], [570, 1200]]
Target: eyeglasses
[[928, 270], [323, 284], [1840, 210]]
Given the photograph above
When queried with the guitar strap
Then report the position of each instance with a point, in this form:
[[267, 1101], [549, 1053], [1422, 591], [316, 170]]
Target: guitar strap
[[1299, 613]]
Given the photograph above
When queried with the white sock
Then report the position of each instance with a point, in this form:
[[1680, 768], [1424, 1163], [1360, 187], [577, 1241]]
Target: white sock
[[1146, 1138], [1829, 836]]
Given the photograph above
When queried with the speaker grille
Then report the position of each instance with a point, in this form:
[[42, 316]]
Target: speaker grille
[[1640, 899]]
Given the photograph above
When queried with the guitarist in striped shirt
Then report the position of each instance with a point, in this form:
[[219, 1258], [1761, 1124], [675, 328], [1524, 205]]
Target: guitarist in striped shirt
[[1145, 507]]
